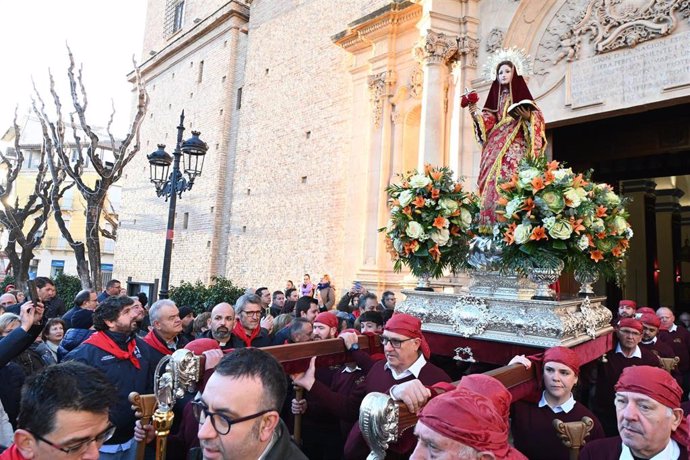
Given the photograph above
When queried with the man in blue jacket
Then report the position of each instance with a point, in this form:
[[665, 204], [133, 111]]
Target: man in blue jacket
[[125, 359]]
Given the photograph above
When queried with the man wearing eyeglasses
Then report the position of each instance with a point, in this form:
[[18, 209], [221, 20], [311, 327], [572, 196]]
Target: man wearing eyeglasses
[[64, 414], [627, 353], [250, 330], [406, 354], [238, 410]]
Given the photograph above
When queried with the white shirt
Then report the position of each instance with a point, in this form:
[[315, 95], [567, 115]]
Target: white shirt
[[673, 328], [414, 369], [636, 354], [565, 407], [671, 452], [350, 370]]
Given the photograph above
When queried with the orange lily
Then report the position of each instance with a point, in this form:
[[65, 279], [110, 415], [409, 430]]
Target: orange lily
[[502, 201], [508, 236], [591, 241], [454, 230], [601, 211], [539, 233], [458, 188], [579, 181], [435, 193], [455, 213], [419, 201], [617, 251], [601, 235], [596, 255], [537, 184], [529, 205], [436, 175], [440, 222], [411, 247], [577, 225], [552, 165], [511, 184], [429, 187], [407, 211], [549, 178], [624, 244], [435, 252]]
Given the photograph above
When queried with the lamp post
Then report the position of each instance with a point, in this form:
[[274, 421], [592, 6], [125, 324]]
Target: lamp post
[[172, 185]]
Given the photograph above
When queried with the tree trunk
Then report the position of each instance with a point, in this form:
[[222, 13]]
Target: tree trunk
[[93, 244]]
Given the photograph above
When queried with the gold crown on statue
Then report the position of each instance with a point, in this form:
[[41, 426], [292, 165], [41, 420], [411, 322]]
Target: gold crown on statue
[[519, 57]]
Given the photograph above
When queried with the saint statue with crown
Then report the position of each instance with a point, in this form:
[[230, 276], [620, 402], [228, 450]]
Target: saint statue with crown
[[509, 127]]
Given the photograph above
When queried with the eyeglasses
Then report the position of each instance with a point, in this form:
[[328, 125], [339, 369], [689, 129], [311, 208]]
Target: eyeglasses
[[81, 447], [395, 343], [220, 423], [253, 313]]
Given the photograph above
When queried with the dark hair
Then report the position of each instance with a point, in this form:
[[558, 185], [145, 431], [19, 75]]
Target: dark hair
[[49, 324], [288, 292], [297, 325], [307, 275], [112, 283], [386, 294], [260, 291], [363, 299], [254, 363], [69, 386], [502, 63], [303, 305], [143, 298], [289, 307], [200, 321], [276, 294], [109, 310], [373, 316], [387, 314], [41, 282], [82, 297]]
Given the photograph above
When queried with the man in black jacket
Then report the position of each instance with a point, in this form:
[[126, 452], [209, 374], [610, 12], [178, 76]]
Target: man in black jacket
[[84, 300], [126, 361]]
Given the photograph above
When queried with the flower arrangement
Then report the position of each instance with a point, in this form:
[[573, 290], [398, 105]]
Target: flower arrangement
[[549, 215], [430, 222]]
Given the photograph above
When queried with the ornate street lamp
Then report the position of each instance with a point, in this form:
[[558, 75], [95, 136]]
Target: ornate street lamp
[[173, 184]]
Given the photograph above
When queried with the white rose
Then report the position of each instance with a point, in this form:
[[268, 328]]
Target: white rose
[[513, 206], [527, 175], [620, 224], [548, 222], [612, 199], [582, 193], [572, 197], [466, 218], [561, 174], [440, 237], [583, 243], [448, 204], [419, 181], [406, 198], [598, 225], [522, 233], [414, 230]]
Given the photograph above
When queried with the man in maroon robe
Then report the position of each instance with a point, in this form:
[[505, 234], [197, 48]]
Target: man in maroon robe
[[626, 309], [679, 339], [627, 353], [650, 421], [559, 368], [470, 421], [406, 353], [650, 340]]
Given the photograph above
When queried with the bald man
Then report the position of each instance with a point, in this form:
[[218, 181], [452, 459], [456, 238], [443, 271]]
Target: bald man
[[679, 340], [222, 323]]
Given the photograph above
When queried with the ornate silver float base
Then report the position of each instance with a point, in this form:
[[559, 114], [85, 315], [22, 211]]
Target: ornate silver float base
[[517, 319]]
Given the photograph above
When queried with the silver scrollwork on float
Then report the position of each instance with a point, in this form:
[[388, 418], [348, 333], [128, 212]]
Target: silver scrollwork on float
[[378, 420]]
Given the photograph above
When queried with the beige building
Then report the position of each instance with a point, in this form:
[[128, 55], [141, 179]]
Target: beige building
[[311, 107]]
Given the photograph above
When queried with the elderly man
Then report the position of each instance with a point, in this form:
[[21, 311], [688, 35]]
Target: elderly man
[[166, 334], [238, 412], [6, 300], [63, 408], [84, 300], [126, 361], [221, 325], [650, 421], [677, 338], [627, 353], [406, 354], [469, 422], [248, 331]]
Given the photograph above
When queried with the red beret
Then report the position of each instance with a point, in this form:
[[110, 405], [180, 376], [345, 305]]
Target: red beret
[[650, 319], [631, 323], [565, 356], [642, 310], [409, 326], [491, 387], [659, 385], [627, 303], [472, 418], [199, 346], [327, 318]]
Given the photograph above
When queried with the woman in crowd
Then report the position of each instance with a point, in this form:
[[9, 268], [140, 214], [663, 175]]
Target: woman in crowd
[[326, 294], [52, 335]]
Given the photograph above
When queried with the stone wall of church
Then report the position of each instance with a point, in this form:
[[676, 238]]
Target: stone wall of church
[[288, 215]]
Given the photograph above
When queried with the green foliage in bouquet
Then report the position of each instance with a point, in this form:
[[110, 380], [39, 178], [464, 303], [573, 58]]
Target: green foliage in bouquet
[[430, 222]]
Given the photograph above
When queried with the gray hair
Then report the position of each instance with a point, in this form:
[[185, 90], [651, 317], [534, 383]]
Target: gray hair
[[154, 311], [242, 302], [6, 319], [83, 296]]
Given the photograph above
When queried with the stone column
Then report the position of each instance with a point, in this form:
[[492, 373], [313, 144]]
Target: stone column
[[642, 256], [434, 50], [380, 86], [668, 227]]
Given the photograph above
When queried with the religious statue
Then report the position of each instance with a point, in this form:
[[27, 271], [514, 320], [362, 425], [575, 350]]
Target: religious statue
[[509, 127]]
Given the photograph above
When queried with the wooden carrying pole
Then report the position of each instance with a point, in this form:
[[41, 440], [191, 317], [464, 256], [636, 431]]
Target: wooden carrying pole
[[143, 407]]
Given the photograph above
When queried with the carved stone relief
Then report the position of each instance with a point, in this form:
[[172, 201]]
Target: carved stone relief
[[379, 89], [469, 48], [494, 40], [416, 82], [435, 48]]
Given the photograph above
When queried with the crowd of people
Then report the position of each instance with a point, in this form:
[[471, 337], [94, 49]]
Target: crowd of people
[[77, 368]]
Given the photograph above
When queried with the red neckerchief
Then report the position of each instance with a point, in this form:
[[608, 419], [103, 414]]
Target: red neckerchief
[[12, 453], [156, 344], [239, 332], [105, 343]]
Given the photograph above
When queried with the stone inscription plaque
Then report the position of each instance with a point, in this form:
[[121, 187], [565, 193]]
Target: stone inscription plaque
[[632, 76]]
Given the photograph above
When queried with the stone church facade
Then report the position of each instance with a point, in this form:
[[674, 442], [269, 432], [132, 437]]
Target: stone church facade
[[311, 107]]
